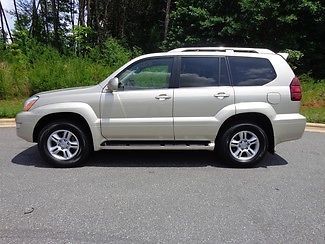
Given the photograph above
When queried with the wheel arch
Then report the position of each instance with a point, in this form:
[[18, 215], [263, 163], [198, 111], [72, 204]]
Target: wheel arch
[[62, 116], [256, 118]]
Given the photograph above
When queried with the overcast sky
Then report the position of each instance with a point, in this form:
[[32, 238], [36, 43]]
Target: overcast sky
[[7, 6]]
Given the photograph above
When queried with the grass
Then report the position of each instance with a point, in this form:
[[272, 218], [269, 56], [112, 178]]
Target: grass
[[9, 108], [313, 100], [314, 115]]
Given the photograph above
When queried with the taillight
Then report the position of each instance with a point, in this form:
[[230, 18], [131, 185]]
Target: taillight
[[295, 89]]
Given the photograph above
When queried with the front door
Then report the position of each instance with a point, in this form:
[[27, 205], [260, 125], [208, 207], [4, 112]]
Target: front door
[[142, 107]]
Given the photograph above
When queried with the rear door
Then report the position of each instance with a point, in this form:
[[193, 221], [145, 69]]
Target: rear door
[[203, 91]]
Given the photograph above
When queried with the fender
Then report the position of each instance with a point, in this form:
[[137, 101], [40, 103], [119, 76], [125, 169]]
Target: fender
[[247, 108], [79, 108], [256, 107]]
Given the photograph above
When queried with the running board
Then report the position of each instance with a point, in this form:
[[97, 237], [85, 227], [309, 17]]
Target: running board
[[157, 145]]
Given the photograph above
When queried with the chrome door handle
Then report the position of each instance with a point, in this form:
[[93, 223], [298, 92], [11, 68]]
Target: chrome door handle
[[221, 95], [163, 97]]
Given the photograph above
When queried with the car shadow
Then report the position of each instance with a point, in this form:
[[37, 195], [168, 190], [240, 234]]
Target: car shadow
[[129, 158]]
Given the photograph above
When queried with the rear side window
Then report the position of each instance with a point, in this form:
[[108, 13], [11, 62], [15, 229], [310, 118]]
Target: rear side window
[[247, 71], [203, 71]]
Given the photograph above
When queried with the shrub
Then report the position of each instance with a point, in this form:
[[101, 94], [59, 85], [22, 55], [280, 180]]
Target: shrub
[[34, 68]]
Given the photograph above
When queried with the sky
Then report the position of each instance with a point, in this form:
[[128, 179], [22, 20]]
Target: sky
[[7, 6]]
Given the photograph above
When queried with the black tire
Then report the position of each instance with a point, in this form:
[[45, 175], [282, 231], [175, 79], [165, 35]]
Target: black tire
[[224, 148], [80, 154]]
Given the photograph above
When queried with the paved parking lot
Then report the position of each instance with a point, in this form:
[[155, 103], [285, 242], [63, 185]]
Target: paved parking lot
[[150, 197]]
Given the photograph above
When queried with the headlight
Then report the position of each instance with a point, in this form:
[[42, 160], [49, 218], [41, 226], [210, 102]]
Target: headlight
[[30, 102]]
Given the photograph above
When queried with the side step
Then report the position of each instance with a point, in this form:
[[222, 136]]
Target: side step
[[158, 145]]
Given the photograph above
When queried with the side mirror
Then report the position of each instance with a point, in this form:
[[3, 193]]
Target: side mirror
[[112, 85]]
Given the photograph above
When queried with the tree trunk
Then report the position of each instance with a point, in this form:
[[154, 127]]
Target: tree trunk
[[89, 13], [122, 20], [34, 20], [72, 13], [16, 11], [2, 26], [56, 23], [81, 18], [46, 13], [167, 18]]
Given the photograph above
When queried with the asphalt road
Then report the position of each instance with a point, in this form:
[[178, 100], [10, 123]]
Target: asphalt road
[[169, 197]]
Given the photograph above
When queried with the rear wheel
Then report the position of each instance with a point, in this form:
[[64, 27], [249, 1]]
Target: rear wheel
[[63, 144], [243, 145]]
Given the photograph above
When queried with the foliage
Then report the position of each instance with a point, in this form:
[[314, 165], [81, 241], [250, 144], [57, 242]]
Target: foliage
[[33, 67], [9, 108], [81, 27], [111, 52], [313, 99], [278, 25], [294, 58], [80, 40], [314, 115]]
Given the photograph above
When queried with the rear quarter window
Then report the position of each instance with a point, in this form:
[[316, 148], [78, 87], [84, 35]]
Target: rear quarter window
[[249, 71]]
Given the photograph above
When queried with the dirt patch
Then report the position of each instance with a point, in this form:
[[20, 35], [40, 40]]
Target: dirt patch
[[314, 104]]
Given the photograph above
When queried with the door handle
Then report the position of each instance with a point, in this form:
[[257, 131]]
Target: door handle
[[163, 97], [221, 95]]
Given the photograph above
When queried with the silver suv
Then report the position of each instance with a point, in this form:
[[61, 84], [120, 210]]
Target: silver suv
[[240, 102]]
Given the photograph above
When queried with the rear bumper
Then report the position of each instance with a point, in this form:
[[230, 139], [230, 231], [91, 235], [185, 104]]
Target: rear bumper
[[288, 127], [25, 124]]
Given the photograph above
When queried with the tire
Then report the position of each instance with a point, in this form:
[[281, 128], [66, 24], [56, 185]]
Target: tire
[[63, 144], [243, 145]]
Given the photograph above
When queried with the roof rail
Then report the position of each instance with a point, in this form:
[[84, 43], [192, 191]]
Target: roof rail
[[222, 49]]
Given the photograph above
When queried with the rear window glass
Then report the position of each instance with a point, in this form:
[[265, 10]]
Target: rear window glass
[[247, 71]]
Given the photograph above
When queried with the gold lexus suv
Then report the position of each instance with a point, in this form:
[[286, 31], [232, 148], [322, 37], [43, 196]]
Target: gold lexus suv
[[240, 102]]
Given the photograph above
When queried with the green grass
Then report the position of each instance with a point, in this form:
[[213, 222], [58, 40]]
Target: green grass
[[9, 108], [313, 99], [314, 115]]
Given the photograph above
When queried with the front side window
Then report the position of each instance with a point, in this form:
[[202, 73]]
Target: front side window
[[146, 74], [203, 71], [248, 71]]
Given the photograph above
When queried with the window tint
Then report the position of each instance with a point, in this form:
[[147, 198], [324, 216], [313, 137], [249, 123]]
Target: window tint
[[147, 74], [248, 71], [203, 71], [197, 71]]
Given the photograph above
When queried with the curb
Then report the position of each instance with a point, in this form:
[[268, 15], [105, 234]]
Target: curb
[[309, 126], [316, 125], [7, 122]]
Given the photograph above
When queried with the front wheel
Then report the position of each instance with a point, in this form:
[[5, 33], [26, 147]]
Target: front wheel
[[63, 144], [243, 145]]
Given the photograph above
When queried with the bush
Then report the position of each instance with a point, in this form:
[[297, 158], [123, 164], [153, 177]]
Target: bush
[[34, 68], [111, 53]]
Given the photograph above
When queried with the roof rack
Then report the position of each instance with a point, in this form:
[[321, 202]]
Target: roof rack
[[222, 49]]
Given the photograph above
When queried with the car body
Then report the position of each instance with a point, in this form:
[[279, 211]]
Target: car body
[[183, 99]]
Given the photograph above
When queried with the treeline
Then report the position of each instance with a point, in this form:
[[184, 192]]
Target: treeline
[[78, 27]]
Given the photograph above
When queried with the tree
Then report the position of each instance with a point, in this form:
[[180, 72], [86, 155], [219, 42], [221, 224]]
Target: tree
[[168, 3]]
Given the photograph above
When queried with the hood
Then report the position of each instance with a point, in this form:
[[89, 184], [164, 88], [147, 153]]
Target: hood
[[89, 95], [67, 91]]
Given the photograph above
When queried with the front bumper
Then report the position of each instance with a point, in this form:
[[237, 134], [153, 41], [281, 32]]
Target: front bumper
[[288, 127], [25, 124]]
